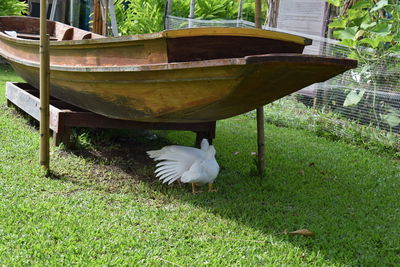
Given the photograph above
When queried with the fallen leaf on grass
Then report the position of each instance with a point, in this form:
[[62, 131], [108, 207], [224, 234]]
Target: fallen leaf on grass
[[304, 232], [301, 172], [312, 164]]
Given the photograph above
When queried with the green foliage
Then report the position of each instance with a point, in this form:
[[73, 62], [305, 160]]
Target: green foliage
[[374, 25], [287, 112], [214, 9], [139, 16], [180, 8], [145, 16], [392, 117], [370, 24], [13, 8]]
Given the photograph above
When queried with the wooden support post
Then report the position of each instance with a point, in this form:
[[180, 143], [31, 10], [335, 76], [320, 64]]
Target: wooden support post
[[260, 110], [191, 12], [53, 10], [261, 140], [97, 20], [209, 134], [44, 88], [104, 13], [113, 18], [240, 12], [74, 11], [168, 10], [63, 136], [257, 15], [271, 19], [64, 117]]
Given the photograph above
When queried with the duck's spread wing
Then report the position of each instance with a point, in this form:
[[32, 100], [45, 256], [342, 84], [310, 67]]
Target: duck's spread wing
[[195, 174], [175, 161], [176, 153]]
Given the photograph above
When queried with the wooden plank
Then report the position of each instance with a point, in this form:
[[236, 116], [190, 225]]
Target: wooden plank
[[62, 120], [32, 36], [22, 100], [93, 120], [186, 49], [30, 104], [249, 32]]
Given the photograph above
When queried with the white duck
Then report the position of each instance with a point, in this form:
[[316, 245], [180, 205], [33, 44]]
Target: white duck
[[191, 165]]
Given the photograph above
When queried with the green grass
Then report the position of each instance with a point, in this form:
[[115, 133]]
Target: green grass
[[102, 205]]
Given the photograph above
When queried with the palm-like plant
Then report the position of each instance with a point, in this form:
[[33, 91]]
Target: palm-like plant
[[12, 8], [139, 16]]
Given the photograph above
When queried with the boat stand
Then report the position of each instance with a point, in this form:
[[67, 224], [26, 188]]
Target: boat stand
[[64, 116]]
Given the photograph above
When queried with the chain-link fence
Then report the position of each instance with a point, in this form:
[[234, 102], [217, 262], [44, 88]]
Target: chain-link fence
[[369, 94]]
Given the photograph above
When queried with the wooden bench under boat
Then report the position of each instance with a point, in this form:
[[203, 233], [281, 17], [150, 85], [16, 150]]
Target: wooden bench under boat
[[188, 75]]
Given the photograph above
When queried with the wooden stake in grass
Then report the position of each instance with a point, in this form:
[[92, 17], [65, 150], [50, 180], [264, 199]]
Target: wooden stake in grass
[[44, 88], [260, 110]]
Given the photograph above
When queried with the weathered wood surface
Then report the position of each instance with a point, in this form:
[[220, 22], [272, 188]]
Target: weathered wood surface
[[190, 75], [260, 110], [44, 81], [164, 94], [75, 47], [64, 116]]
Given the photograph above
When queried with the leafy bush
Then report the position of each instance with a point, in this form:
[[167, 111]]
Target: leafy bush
[[215, 9], [145, 16], [287, 112], [372, 29], [13, 8], [139, 16], [369, 23]]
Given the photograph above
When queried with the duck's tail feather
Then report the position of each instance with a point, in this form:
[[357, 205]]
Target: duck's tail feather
[[154, 153]]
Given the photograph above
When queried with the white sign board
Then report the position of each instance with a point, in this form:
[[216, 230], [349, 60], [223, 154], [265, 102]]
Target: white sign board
[[303, 16]]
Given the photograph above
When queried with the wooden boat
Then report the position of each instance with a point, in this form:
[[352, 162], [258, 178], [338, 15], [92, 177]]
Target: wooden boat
[[188, 75]]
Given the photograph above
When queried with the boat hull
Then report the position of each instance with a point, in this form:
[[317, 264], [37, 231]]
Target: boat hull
[[190, 92], [189, 75]]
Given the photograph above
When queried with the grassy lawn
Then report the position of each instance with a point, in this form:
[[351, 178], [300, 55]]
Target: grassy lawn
[[103, 206]]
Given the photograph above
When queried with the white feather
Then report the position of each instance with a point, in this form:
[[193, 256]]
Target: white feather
[[190, 164]]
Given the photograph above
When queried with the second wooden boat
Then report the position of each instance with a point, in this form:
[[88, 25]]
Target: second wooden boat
[[189, 75]]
